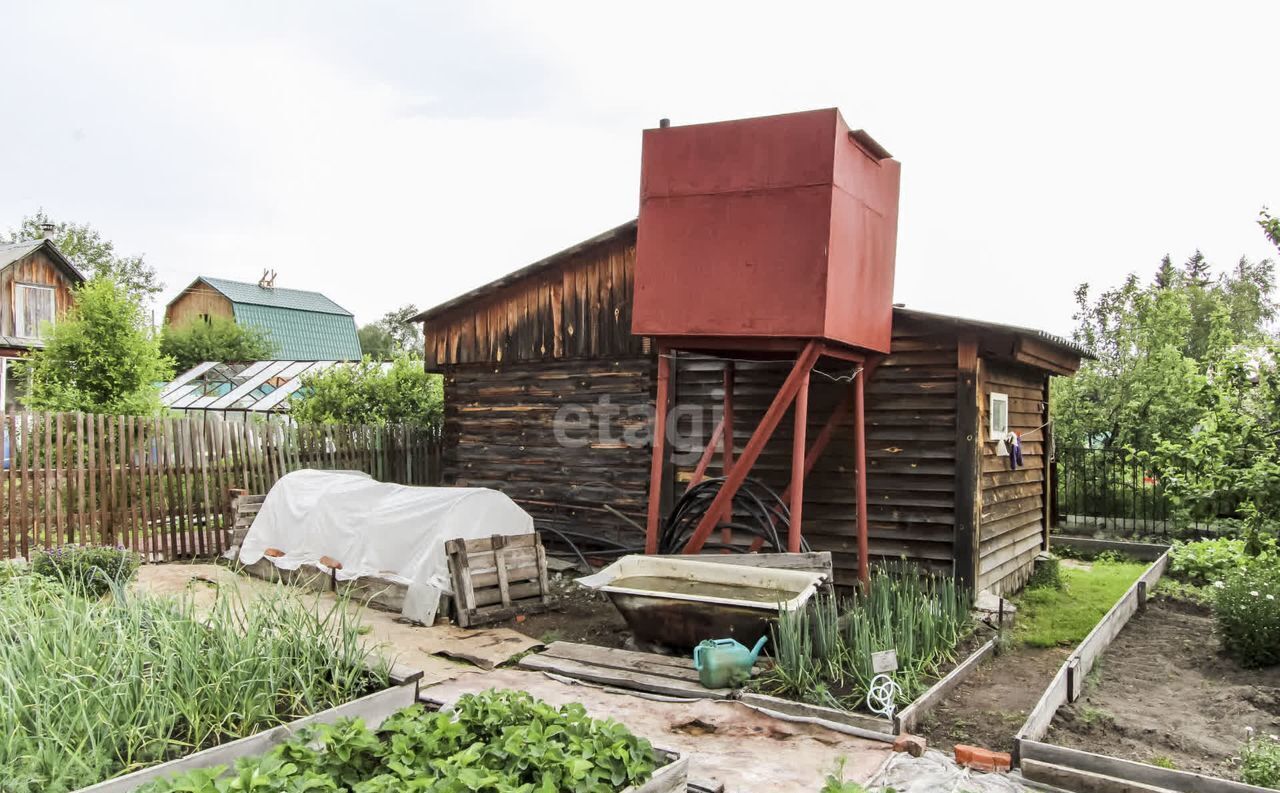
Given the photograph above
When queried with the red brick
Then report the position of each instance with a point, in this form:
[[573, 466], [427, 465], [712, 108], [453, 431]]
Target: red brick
[[980, 759], [274, 553], [330, 562], [913, 745]]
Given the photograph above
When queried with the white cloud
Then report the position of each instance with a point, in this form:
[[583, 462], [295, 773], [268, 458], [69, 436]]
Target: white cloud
[[391, 152]]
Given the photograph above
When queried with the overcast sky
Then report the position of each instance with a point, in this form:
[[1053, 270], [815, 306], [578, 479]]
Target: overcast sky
[[394, 152]]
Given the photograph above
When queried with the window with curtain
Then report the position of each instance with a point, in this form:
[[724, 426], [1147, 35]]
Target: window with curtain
[[32, 305]]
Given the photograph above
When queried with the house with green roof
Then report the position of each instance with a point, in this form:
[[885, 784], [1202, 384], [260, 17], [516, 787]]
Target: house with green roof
[[304, 325]]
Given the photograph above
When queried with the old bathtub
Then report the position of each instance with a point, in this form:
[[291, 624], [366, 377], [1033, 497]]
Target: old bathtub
[[679, 602]]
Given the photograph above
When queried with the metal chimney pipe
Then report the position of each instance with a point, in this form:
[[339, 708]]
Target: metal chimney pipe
[[663, 123]]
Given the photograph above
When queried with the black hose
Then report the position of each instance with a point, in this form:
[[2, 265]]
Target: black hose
[[757, 511]]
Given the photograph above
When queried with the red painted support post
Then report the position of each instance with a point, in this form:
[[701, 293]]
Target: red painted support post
[[797, 464], [727, 421], [660, 408], [705, 460], [860, 461], [726, 424], [807, 358]]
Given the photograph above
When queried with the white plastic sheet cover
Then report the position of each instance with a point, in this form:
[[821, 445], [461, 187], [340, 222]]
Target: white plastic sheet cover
[[376, 529]]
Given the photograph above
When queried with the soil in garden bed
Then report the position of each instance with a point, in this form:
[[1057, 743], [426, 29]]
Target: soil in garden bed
[[578, 615], [1164, 692], [988, 708]]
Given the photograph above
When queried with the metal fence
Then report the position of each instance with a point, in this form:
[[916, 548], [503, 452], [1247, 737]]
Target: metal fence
[[1108, 490]]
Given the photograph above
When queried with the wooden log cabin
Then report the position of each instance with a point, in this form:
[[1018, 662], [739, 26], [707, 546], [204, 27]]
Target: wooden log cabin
[[548, 397]]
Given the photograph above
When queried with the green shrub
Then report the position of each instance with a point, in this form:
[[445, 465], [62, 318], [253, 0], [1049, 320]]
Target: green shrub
[[87, 570], [1247, 609], [1260, 763], [494, 741], [1207, 561], [1047, 573]]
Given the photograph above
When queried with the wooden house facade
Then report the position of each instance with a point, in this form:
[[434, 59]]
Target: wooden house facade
[[549, 398], [36, 289]]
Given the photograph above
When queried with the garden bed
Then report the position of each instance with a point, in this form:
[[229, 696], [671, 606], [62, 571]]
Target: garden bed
[[492, 740], [1163, 693], [988, 708], [104, 682]]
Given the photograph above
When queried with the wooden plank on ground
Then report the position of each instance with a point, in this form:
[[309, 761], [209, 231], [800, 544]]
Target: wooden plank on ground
[[880, 727], [654, 663], [608, 676], [1155, 777]]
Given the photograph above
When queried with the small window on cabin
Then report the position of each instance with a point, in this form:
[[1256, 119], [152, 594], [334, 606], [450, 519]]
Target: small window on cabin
[[32, 305], [999, 416]]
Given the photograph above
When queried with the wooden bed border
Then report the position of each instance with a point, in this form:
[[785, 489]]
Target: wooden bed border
[[374, 709], [909, 717], [1061, 766]]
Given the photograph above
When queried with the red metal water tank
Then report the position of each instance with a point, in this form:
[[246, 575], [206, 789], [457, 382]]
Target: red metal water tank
[[776, 226]]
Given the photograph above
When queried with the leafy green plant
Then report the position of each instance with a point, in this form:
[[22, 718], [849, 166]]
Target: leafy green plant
[[494, 741], [823, 652], [1162, 761], [88, 570], [836, 783], [369, 393], [100, 357], [1247, 611], [218, 339], [1207, 561], [1047, 573], [103, 687], [1260, 763]]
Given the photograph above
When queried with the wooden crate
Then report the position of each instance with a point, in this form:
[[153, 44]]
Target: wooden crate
[[498, 577], [244, 508]]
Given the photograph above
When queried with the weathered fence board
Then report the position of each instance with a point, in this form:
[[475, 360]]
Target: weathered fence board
[[160, 485]]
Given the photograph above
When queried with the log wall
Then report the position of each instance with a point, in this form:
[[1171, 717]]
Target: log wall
[[501, 431], [1013, 526]]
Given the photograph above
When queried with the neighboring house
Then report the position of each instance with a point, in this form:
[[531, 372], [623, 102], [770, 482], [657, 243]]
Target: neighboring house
[[556, 335], [304, 326], [35, 288]]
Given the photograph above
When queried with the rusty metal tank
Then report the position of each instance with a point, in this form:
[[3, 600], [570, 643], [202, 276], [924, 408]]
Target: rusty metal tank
[[781, 226]]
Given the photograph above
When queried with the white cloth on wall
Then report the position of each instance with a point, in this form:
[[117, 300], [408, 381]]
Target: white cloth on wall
[[373, 528]]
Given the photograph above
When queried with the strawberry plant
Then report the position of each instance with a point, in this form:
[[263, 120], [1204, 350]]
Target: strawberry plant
[[491, 742]]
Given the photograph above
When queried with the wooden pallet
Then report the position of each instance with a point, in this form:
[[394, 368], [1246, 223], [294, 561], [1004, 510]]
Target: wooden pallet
[[244, 508], [498, 577], [672, 676]]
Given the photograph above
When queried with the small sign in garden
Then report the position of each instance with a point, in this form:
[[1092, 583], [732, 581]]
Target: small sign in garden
[[884, 662]]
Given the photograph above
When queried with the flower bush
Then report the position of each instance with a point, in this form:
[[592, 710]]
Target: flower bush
[[88, 570], [1260, 762], [1247, 608]]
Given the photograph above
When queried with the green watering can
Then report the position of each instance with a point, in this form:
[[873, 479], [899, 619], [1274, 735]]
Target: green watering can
[[722, 663]]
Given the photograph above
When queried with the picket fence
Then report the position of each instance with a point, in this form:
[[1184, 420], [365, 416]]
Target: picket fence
[[162, 486]]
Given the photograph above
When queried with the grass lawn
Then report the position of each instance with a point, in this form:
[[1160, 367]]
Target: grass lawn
[[1054, 617]]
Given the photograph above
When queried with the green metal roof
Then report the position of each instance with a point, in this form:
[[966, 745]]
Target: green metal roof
[[303, 335], [295, 299]]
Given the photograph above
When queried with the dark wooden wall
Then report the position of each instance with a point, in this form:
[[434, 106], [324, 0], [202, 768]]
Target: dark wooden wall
[[580, 308], [911, 430], [1013, 523], [36, 268], [500, 432]]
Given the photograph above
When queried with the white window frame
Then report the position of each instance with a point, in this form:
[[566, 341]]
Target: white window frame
[[20, 292], [995, 432]]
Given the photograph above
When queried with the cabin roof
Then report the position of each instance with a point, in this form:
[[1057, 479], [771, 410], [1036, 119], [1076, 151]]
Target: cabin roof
[[628, 229], [11, 252]]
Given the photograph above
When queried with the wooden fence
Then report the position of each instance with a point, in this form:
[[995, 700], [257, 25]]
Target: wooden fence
[[161, 485]]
